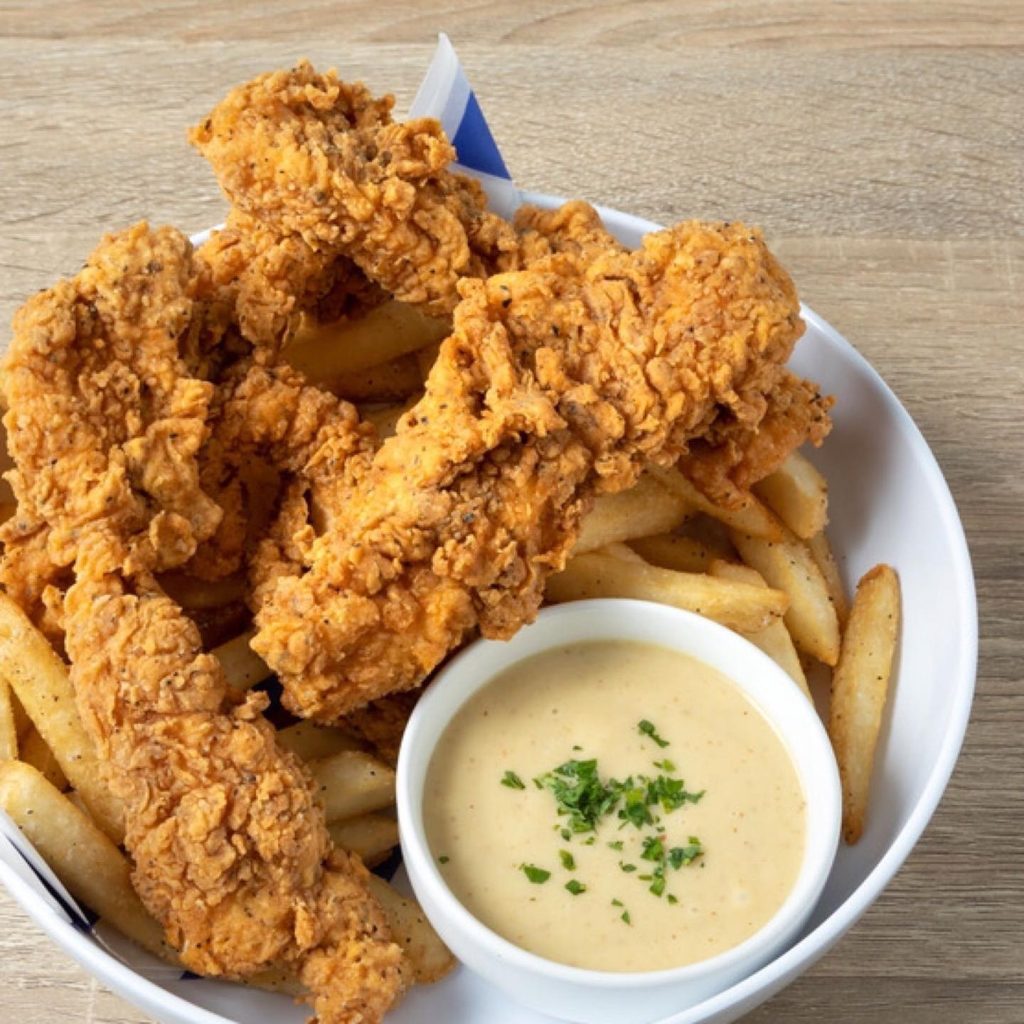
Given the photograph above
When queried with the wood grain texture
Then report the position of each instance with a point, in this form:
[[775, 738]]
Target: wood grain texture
[[881, 144]]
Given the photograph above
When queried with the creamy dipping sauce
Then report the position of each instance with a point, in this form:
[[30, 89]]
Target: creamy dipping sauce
[[682, 819]]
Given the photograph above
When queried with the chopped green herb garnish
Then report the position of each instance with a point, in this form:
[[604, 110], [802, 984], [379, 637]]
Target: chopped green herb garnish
[[443, 859], [665, 765], [576, 746], [565, 834], [580, 794], [680, 855], [617, 845], [512, 780], [575, 887], [627, 867], [625, 917], [671, 898], [654, 848], [535, 874], [647, 729], [635, 801], [617, 903], [568, 861], [590, 841]]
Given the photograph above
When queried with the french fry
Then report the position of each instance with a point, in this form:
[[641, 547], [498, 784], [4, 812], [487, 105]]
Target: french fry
[[352, 782], [8, 725], [624, 553], [34, 751], [92, 868], [788, 566], [389, 382], [774, 639], [371, 836], [312, 742], [202, 595], [860, 685], [684, 554], [426, 357], [798, 494], [429, 956], [243, 667], [22, 723], [644, 509], [324, 351], [739, 606], [821, 552], [384, 419], [41, 682], [751, 517]]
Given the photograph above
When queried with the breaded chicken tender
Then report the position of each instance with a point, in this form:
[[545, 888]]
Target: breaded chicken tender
[[558, 382], [320, 159], [230, 848]]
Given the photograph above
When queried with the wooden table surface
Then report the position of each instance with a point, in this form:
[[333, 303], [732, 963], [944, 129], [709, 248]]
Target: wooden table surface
[[880, 144]]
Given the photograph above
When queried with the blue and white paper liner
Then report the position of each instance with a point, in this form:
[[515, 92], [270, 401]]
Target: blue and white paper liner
[[445, 94]]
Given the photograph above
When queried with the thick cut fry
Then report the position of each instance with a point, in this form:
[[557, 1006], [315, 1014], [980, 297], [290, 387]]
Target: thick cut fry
[[41, 682], [312, 742], [750, 517], [8, 726], [684, 554], [821, 552], [429, 956], [34, 751], [324, 351], [736, 605], [624, 553], [774, 639], [202, 595], [426, 357], [371, 836], [642, 510], [798, 494], [351, 783], [859, 689], [390, 382], [788, 566], [92, 868], [243, 667]]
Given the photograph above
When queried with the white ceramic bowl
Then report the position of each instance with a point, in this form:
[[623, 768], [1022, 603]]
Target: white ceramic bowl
[[889, 503], [607, 997]]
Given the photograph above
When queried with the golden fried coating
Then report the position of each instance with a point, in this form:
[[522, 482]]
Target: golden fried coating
[[230, 848], [558, 382], [734, 455], [265, 280], [314, 157], [575, 228]]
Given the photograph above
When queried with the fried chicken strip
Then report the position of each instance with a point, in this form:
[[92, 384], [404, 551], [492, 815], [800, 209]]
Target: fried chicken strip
[[558, 382], [229, 845], [320, 159]]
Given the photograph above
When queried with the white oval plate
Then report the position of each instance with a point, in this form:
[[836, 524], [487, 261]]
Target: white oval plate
[[889, 502]]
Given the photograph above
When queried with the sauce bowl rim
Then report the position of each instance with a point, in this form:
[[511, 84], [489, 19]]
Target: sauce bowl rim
[[822, 822]]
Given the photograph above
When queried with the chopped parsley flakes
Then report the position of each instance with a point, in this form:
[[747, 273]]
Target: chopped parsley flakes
[[584, 800], [647, 729], [535, 874]]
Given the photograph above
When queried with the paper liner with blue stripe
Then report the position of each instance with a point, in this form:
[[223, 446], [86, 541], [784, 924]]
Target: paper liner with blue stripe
[[446, 94]]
